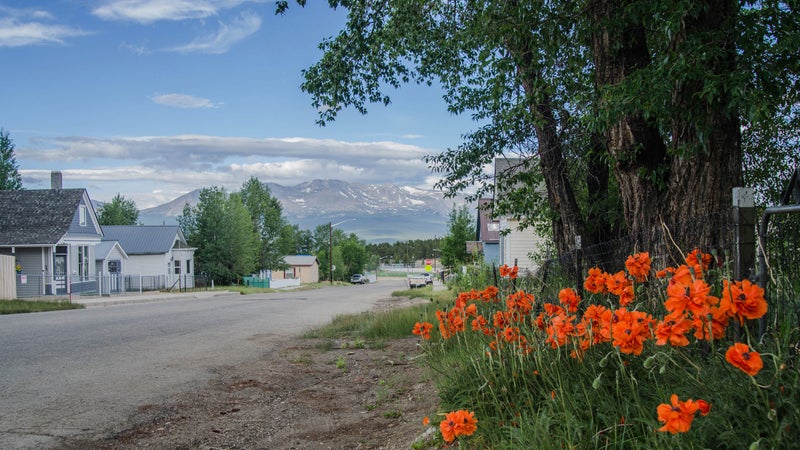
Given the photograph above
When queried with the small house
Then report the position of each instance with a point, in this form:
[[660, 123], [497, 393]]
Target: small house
[[158, 256], [302, 267], [52, 235]]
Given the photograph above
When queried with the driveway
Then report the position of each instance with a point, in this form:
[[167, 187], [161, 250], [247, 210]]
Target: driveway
[[84, 372]]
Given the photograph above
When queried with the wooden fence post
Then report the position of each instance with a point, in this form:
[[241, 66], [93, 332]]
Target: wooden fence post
[[744, 219]]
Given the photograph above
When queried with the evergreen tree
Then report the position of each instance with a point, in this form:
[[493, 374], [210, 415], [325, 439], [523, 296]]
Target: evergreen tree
[[461, 228], [269, 224], [120, 211], [221, 229], [10, 180]]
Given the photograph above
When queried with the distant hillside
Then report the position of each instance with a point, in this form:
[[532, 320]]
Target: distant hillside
[[379, 213]]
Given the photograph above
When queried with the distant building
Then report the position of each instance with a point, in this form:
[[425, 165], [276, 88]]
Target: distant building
[[302, 267], [488, 232]]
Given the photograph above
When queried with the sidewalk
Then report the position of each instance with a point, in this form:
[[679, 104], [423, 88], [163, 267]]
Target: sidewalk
[[145, 297]]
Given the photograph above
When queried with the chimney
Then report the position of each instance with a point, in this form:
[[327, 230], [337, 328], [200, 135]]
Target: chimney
[[55, 179]]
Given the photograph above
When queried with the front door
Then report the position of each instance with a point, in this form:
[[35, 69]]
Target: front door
[[60, 273], [114, 273]]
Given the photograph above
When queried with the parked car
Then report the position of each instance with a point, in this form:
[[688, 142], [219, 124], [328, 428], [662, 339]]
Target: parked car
[[428, 278], [416, 281], [358, 279]]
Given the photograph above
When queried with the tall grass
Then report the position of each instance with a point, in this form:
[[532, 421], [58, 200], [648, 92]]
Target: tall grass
[[529, 391], [375, 325]]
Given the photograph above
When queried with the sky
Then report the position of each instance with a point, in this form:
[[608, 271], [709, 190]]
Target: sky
[[151, 99]]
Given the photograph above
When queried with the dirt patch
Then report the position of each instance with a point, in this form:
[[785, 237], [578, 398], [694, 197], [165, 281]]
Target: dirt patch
[[303, 394]]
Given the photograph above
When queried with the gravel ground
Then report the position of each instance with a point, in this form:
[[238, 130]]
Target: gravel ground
[[302, 394]]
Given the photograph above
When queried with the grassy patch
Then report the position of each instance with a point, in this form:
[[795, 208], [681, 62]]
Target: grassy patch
[[374, 327], [441, 297], [24, 306]]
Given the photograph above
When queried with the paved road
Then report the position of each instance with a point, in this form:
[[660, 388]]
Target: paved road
[[84, 372]]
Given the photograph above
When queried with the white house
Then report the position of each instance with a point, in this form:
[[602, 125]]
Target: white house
[[157, 254], [516, 246]]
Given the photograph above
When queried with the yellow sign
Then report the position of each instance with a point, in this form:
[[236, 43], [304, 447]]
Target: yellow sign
[[428, 268]]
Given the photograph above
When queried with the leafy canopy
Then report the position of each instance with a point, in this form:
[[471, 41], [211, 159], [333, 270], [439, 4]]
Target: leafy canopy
[[120, 211]]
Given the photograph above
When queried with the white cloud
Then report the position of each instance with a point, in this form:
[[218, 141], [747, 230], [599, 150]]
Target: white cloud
[[149, 11], [179, 164], [226, 36], [18, 33], [199, 149], [184, 101]]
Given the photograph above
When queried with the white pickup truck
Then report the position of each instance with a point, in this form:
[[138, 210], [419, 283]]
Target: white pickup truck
[[417, 281]]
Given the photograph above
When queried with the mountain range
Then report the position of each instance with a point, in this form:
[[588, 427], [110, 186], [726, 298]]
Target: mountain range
[[375, 213]]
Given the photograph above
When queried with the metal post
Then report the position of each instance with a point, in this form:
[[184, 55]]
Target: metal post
[[744, 219], [330, 252]]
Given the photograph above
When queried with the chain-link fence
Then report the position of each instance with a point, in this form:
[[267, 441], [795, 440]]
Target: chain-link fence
[[38, 285], [667, 245]]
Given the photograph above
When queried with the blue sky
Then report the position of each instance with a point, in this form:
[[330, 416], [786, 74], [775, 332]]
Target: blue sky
[[154, 98]]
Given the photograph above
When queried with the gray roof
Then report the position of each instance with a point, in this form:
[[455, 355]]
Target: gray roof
[[103, 249], [37, 217], [144, 239], [300, 260]]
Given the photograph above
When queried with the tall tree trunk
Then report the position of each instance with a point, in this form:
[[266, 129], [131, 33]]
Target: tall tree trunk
[[701, 183], [568, 222], [634, 142]]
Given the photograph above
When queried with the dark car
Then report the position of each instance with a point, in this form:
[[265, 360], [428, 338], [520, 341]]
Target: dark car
[[358, 279]]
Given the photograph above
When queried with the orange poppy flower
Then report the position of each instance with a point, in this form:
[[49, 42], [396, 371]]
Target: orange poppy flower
[[511, 334], [595, 281], [681, 275], [744, 299], [597, 319], [561, 327], [630, 331], [617, 283], [699, 262], [677, 416], [638, 265], [426, 420], [478, 323], [692, 297], [569, 298], [627, 295], [489, 294], [423, 329], [740, 356], [510, 272], [448, 429], [520, 302], [458, 423], [673, 330]]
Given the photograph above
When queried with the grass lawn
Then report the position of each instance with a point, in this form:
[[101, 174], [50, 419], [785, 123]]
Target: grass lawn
[[24, 306]]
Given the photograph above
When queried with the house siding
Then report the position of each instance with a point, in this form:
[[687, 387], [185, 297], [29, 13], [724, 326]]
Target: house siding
[[516, 246]]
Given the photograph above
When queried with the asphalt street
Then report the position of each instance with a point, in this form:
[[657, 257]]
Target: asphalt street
[[84, 372]]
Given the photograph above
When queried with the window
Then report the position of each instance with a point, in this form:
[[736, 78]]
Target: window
[[188, 266], [82, 216], [177, 267], [83, 262]]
